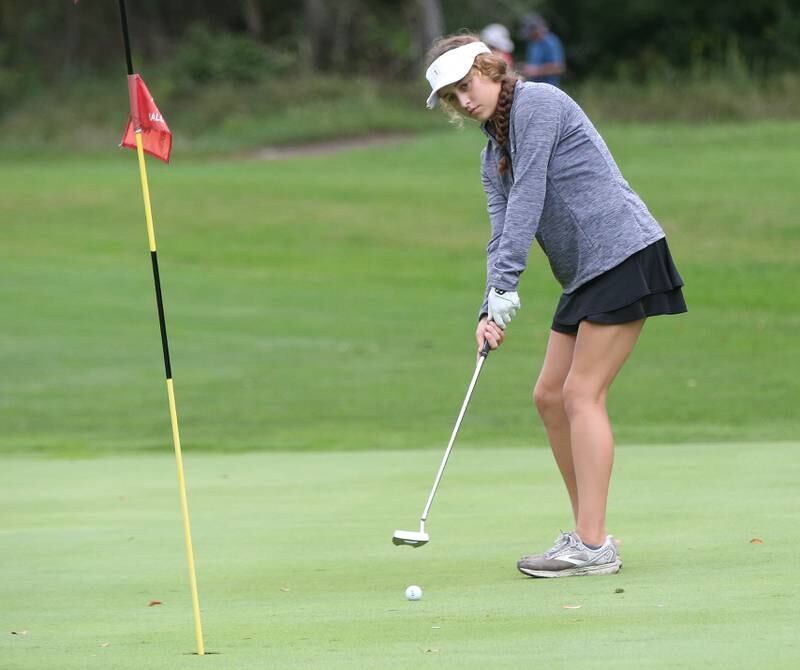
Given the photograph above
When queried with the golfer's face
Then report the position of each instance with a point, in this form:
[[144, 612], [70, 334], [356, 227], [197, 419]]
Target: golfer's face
[[474, 96]]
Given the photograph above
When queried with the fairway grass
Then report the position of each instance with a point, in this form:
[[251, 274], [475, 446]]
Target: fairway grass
[[296, 568], [330, 302]]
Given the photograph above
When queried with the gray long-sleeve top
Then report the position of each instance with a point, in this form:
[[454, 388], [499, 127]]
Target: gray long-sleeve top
[[564, 189]]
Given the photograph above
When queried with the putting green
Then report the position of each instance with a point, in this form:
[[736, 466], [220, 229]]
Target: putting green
[[296, 568]]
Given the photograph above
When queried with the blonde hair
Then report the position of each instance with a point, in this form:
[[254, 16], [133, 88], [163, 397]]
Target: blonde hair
[[492, 67]]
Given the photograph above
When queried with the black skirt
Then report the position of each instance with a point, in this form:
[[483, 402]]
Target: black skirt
[[644, 284]]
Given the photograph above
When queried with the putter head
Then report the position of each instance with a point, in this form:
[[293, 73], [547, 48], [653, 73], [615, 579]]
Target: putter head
[[410, 537]]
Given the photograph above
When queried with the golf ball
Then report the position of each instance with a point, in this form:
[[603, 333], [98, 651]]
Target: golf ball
[[413, 592]]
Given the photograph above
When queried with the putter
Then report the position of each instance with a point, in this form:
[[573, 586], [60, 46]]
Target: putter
[[418, 538]]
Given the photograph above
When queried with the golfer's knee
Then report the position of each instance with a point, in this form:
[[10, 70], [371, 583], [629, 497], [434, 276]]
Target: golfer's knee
[[580, 395], [548, 400]]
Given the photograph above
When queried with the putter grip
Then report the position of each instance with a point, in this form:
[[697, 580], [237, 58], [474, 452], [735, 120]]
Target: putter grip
[[486, 349]]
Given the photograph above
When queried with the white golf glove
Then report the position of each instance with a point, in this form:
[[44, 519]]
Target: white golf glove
[[503, 305]]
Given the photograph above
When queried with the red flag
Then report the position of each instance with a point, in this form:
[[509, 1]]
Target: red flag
[[156, 137]]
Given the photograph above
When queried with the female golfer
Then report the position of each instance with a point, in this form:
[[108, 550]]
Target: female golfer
[[548, 175]]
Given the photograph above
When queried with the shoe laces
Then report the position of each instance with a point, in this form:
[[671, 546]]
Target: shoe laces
[[563, 540]]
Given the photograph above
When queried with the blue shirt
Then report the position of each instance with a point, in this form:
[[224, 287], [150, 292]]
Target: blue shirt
[[546, 50]]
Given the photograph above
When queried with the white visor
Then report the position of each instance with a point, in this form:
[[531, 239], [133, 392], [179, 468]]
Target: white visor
[[452, 66]]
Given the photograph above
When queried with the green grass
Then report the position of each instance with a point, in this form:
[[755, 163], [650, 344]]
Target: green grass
[[706, 95], [330, 303], [296, 570], [321, 314]]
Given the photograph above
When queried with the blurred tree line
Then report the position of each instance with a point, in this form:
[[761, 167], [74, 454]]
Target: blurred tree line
[[243, 39]]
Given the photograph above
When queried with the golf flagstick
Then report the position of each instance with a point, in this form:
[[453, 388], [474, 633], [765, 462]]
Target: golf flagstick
[[417, 539], [134, 92]]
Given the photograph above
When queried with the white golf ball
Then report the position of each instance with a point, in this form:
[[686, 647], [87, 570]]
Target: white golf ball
[[413, 592]]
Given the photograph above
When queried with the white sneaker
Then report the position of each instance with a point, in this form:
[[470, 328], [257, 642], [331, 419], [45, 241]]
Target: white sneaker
[[561, 541], [570, 557]]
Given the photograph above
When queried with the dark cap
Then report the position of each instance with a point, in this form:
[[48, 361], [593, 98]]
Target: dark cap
[[531, 21]]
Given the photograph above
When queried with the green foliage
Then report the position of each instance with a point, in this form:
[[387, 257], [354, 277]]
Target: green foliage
[[59, 40], [640, 38], [12, 80], [205, 56], [648, 59]]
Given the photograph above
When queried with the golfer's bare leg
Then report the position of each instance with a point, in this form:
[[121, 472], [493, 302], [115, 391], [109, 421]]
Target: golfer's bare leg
[[549, 400], [600, 351]]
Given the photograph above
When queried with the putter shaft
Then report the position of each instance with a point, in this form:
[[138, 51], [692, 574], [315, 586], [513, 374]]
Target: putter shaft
[[481, 360]]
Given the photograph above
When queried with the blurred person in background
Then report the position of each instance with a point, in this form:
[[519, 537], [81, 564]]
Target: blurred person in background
[[544, 55], [497, 38]]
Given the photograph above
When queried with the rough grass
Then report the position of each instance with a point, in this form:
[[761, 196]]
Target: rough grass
[[90, 114], [692, 97], [219, 117]]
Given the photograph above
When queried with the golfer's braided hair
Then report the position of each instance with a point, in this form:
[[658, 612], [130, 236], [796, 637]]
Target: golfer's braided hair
[[501, 118], [496, 69]]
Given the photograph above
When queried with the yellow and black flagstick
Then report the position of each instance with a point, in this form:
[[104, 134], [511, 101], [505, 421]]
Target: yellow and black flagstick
[[151, 236], [176, 439]]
